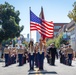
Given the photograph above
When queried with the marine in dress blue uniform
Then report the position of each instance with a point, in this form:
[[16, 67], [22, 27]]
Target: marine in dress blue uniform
[[36, 54], [31, 55]]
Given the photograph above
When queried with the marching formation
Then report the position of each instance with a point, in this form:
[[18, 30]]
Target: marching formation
[[36, 53], [15, 54], [66, 55]]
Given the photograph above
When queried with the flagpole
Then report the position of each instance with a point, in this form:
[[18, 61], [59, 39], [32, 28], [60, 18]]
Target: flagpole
[[30, 30], [41, 15]]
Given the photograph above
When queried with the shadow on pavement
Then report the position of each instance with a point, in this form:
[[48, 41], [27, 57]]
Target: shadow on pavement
[[42, 72]]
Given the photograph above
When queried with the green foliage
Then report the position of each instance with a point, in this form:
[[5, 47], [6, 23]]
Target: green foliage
[[50, 41], [72, 14], [56, 40], [10, 22], [9, 42], [25, 43]]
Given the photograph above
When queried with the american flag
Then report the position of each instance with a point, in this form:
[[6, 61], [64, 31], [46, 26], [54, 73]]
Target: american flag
[[43, 27]]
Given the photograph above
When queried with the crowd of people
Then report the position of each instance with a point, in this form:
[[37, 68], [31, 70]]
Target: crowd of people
[[36, 53]]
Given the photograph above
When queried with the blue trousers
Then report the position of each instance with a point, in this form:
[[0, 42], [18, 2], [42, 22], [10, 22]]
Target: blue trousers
[[20, 57], [70, 59], [36, 59], [31, 61], [13, 58], [10, 60], [40, 60], [6, 59]]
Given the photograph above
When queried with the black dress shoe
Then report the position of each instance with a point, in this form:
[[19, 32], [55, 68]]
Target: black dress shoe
[[53, 64], [41, 69]]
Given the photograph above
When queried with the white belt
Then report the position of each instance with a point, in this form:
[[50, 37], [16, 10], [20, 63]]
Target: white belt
[[31, 53]]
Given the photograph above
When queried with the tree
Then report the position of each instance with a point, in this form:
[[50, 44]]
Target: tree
[[50, 41], [72, 14], [58, 40], [9, 19]]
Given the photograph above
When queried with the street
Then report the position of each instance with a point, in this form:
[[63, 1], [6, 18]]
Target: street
[[58, 69]]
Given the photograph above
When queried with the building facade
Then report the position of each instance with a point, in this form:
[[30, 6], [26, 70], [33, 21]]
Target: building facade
[[71, 30], [57, 27]]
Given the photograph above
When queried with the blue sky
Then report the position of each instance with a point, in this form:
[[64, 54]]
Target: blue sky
[[54, 10]]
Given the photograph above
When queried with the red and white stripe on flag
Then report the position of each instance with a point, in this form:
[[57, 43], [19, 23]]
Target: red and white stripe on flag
[[46, 28]]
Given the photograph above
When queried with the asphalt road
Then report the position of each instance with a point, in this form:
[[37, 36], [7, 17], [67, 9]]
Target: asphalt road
[[58, 69]]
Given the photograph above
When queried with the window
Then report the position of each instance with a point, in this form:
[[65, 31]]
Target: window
[[57, 27]]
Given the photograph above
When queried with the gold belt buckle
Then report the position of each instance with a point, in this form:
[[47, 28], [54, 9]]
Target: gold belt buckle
[[40, 52]]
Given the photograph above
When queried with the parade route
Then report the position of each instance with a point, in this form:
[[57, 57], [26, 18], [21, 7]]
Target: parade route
[[37, 37], [58, 69]]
